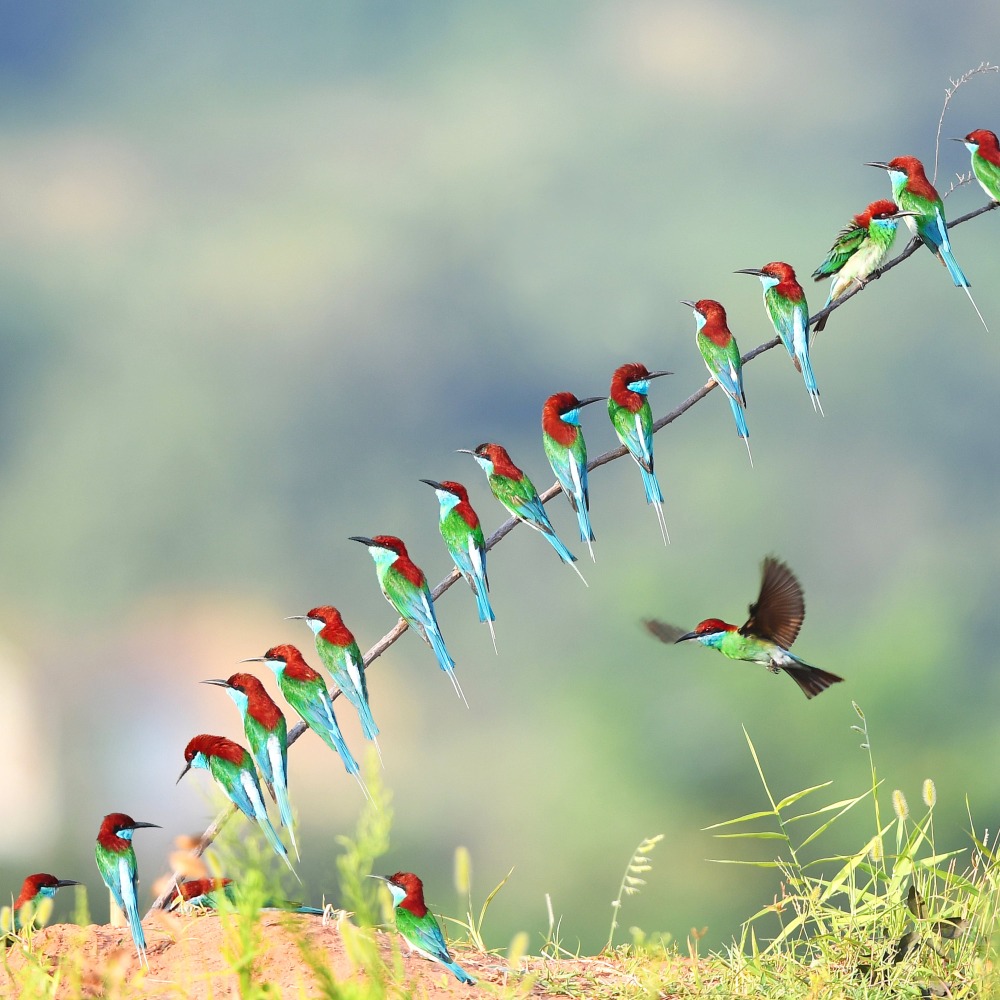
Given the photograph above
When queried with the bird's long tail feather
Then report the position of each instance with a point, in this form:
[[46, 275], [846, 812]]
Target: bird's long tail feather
[[812, 680], [810, 380], [741, 425]]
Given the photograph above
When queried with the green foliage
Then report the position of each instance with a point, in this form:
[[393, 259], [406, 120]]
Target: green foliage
[[371, 840], [898, 912], [472, 925], [632, 880]]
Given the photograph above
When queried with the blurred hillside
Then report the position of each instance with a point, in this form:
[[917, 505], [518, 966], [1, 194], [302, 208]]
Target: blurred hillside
[[263, 268]]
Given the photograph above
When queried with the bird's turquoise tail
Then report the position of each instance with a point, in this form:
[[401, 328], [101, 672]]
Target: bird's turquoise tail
[[957, 274], [367, 720], [285, 809], [740, 417], [810, 379], [459, 973], [483, 602], [741, 424], [653, 492]]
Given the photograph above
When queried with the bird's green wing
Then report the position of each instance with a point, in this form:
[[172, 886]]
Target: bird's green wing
[[844, 247]]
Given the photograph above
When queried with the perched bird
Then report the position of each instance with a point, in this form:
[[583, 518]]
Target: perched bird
[[786, 307], [566, 451], [859, 250], [775, 619], [913, 192], [722, 358], [35, 889], [200, 893], [982, 144], [232, 767], [417, 925], [632, 419], [512, 487], [404, 586], [116, 863], [339, 652], [463, 535], [306, 691], [267, 734], [204, 893]]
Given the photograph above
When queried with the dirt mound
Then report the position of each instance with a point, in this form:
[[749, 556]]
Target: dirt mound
[[196, 956]]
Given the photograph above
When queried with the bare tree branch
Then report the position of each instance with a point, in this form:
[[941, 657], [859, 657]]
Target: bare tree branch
[[212, 831]]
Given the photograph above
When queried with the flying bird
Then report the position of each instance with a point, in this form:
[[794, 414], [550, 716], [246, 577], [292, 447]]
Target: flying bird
[[775, 619]]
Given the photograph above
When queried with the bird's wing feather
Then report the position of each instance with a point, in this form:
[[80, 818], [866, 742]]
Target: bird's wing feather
[[844, 247], [780, 607], [424, 934], [662, 630]]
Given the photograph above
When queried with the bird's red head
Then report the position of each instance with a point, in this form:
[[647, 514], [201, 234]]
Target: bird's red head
[[908, 165], [552, 410], [788, 284], [456, 488], [260, 705], [214, 746], [392, 543], [503, 464], [881, 209], [113, 825], [559, 403], [414, 899], [713, 311], [295, 666], [334, 630], [285, 653], [916, 180], [712, 625], [328, 615], [199, 886], [989, 149], [33, 884], [622, 378]]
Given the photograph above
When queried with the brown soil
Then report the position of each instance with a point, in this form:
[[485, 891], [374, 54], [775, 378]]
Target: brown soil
[[188, 959]]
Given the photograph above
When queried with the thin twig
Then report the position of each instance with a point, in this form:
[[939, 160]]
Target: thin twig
[[508, 526], [984, 67]]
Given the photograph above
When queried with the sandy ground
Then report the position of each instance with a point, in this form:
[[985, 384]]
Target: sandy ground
[[193, 957]]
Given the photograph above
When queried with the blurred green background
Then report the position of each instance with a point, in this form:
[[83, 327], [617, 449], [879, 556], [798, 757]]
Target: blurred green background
[[262, 267]]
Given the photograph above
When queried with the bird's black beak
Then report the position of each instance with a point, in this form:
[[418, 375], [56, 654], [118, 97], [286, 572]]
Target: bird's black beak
[[755, 271], [249, 659], [688, 302], [150, 826], [63, 882], [955, 138], [187, 767], [589, 400], [685, 637], [363, 540], [217, 683], [464, 451], [881, 166], [658, 374], [296, 618], [433, 485]]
